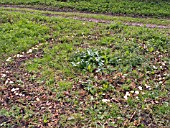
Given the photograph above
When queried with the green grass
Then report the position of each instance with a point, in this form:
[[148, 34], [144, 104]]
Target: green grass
[[132, 58], [19, 34], [127, 7], [110, 18]]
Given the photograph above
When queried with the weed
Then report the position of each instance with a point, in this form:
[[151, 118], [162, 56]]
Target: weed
[[90, 60]]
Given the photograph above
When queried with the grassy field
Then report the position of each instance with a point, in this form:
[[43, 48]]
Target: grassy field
[[56, 71], [152, 8], [109, 18]]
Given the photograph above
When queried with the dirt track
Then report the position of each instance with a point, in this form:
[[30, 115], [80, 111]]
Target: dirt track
[[85, 19]]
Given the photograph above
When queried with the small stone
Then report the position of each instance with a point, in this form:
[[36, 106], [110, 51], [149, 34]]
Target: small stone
[[3, 75], [37, 99], [156, 102], [20, 94], [148, 87], [35, 48], [70, 118], [160, 82], [160, 56], [105, 100], [126, 95], [132, 92], [155, 67], [7, 81], [163, 64], [137, 92], [160, 78], [9, 59], [11, 82], [14, 89], [29, 51], [140, 88], [18, 55]]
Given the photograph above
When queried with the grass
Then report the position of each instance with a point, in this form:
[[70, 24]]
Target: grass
[[121, 19], [121, 7], [16, 30], [131, 90]]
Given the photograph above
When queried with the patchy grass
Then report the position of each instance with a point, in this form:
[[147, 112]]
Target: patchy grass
[[122, 7], [18, 34], [110, 18], [53, 90]]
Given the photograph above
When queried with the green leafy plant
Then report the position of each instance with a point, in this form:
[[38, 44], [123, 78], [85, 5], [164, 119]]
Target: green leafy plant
[[90, 60]]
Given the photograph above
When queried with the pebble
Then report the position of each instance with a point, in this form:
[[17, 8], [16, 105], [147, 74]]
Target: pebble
[[29, 51], [137, 92], [7, 80], [3, 75], [126, 95], [11, 82], [9, 59], [18, 55], [140, 88], [14, 89], [105, 100]]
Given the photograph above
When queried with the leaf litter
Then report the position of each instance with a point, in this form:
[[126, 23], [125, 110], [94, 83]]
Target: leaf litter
[[97, 94]]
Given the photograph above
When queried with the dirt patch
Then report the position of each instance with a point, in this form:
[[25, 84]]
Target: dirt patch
[[147, 25], [109, 21], [18, 89]]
